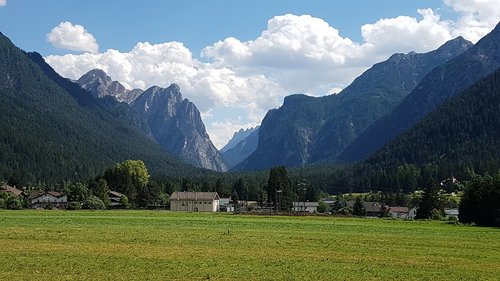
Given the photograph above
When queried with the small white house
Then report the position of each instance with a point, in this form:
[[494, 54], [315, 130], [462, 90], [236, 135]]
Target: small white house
[[402, 212], [194, 201], [310, 207], [44, 199]]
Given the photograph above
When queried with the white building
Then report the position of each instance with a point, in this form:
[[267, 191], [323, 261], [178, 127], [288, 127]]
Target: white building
[[49, 198], [194, 201], [402, 212], [310, 207]]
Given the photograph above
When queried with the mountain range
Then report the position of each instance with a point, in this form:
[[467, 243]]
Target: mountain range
[[162, 114], [436, 87], [307, 130], [437, 107]]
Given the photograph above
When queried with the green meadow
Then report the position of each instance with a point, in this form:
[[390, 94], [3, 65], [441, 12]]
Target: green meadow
[[164, 245]]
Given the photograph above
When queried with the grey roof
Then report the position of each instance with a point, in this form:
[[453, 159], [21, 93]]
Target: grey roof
[[194, 196]]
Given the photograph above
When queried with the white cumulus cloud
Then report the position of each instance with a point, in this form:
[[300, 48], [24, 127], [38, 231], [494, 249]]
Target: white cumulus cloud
[[72, 37], [234, 83], [477, 17], [3, 3]]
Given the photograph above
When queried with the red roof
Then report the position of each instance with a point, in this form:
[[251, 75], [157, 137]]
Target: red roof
[[10, 189], [37, 194]]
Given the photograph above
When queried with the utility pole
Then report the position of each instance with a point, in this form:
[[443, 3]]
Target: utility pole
[[301, 186], [278, 199]]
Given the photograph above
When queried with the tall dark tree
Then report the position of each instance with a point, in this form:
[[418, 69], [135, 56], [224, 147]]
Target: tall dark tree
[[358, 209], [100, 189], [431, 203], [480, 203], [279, 189]]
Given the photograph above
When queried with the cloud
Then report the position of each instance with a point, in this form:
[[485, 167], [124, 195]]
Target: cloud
[[72, 37], [403, 33], [234, 83], [3, 3], [477, 17]]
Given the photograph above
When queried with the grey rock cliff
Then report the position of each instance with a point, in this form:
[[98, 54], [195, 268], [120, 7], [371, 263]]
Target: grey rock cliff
[[177, 126]]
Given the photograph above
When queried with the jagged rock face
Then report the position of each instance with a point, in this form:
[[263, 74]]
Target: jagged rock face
[[100, 84], [177, 126], [308, 130]]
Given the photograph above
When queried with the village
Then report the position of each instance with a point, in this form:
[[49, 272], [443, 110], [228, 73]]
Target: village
[[192, 201]]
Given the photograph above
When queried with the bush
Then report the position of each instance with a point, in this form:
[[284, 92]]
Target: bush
[[322, 207], [124, 201], [436, 214], [74, 205], [94, 203], [13, 203], [2, 203], [346, 211]]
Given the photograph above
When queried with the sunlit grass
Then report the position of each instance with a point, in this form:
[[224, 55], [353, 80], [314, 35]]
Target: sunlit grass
[[160, 245]]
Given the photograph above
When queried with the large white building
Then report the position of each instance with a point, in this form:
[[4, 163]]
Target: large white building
[[194, 201]]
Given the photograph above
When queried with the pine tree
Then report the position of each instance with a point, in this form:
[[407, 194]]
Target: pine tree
[[358, 209], [431, 204]]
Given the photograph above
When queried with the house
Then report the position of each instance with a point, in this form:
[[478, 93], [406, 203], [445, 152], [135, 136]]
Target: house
[[42, 199], [310, 207], [13, 191], [402, 212], [373, 209], [114, 199], [225, 203], [194, 201]]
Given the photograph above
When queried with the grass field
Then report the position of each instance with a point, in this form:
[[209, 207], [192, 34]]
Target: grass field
[[161, 245]]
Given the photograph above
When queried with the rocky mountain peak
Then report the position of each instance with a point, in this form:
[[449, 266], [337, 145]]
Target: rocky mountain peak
[[99, 84], [454, 47]]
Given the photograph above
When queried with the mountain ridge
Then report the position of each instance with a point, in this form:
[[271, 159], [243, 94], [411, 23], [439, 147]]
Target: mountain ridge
[[307, 130], [440, 84]]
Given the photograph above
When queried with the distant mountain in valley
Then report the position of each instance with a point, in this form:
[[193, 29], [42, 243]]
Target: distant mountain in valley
[[237, 137], [307, 130], [54, 131], [243, 143], [436, 87]]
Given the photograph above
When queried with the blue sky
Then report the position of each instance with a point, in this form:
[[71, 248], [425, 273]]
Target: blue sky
[[237, 59], [120, 24]]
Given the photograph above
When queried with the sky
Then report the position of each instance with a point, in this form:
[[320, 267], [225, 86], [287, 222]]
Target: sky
[[237, 59]]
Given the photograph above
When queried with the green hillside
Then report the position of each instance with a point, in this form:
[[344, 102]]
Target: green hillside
[[52, 130], [464, 131]]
